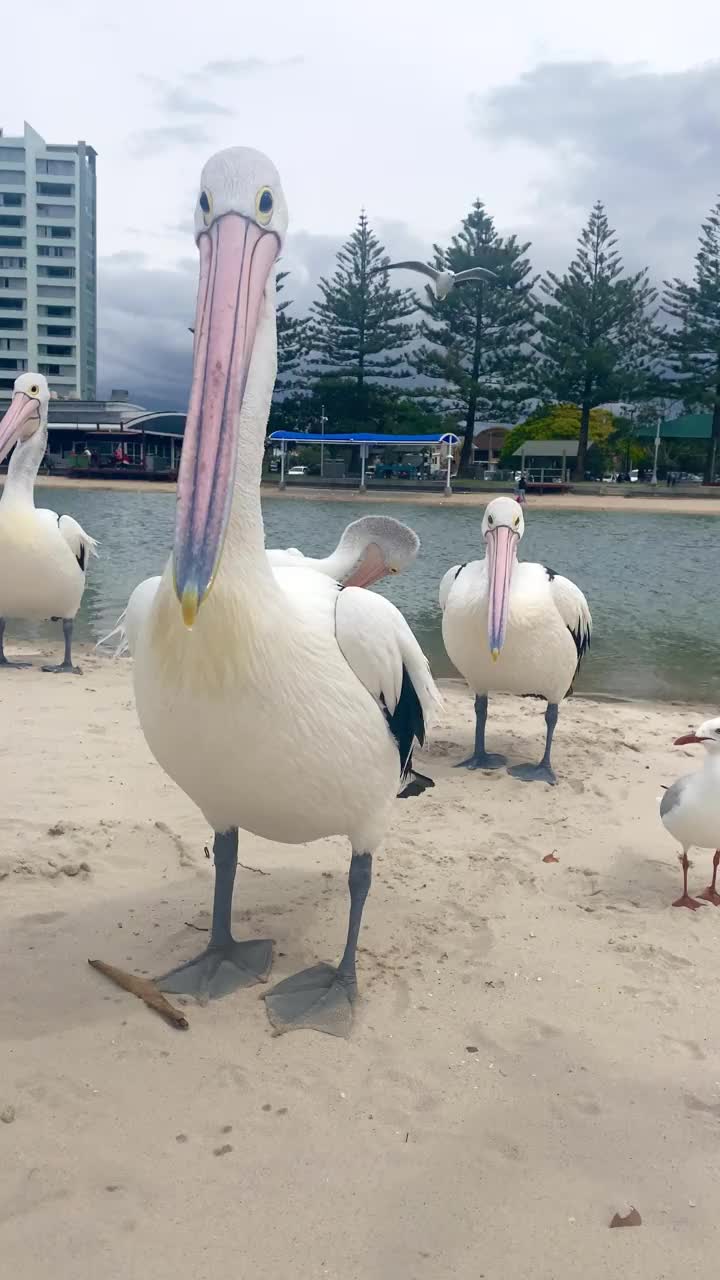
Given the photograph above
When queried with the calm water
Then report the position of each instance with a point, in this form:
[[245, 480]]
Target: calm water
[[652, 580]]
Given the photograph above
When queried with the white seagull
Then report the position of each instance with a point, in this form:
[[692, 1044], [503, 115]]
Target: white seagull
[[442, 281], [690, 810], [43, 556], [513, 627], [279, 702]]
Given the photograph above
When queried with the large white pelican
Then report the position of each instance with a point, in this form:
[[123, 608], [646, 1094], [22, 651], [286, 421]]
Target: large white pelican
[[513, 627], [279, 702], [43, 556], [690, 810]]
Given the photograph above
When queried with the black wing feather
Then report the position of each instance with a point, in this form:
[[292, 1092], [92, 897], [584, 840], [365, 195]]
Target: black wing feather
[[407, 726]]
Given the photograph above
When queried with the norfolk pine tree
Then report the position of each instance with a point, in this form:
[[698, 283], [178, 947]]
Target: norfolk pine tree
[[476, 340], [596, 337], [694, 346]]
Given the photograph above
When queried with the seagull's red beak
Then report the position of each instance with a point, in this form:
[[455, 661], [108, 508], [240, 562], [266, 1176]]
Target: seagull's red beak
[[686, 739]]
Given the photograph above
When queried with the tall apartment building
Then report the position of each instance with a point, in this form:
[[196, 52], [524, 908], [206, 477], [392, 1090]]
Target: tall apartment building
[[48, 263]]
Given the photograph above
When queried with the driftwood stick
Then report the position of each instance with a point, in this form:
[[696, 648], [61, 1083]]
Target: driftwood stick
[[145, 989]]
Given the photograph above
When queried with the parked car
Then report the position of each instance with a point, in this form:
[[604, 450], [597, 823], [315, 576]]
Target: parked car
[[298, 471]]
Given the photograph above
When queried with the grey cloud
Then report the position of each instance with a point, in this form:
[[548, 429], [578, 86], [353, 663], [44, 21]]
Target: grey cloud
[[153, 141], [646, 143], [237, 67], [179, 99], [144, 342]]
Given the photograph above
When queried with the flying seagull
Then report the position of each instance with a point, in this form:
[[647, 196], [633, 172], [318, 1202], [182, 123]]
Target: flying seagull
[[443, 281]]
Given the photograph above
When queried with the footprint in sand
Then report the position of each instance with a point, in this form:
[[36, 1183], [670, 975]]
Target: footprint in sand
[[687, 1048], [698, 1104]]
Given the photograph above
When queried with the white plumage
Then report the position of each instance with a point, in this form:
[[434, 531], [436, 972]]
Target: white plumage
[[690, 809], [513, 628], [43, 555], [280, 703]]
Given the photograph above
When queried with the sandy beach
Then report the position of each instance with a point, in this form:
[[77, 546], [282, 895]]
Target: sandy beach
[[684, 504], [535, 1049]]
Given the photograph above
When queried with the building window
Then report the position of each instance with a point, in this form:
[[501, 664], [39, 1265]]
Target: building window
[[56, 330], [13, 177], [12, 199], [54, 166], [11, 220], [9, 322], [57, 273], [55, 251], [58, 370], [55, 291], [13, 344], [61, 233], [12, 242], [18, 263], [55, 189], [56, 350], [12, 304], [13, 282], [56, 211], [63, 312], [14, 363]]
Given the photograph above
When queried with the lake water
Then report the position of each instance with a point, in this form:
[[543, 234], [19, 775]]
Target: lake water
[[651, 580]]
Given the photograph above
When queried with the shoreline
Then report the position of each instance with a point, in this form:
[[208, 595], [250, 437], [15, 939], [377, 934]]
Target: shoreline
[[686, 505]]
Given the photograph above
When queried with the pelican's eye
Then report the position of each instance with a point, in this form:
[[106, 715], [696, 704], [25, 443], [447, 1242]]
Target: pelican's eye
[[490, 520], [34, 389], [264, 205], [516, 521], [391, 570], [206, 205]]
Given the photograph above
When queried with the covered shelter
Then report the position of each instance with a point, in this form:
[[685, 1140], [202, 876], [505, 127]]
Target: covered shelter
[[549, 456], [366, 440]]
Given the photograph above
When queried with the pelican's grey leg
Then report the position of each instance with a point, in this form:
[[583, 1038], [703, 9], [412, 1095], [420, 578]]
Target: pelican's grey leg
[[226, 964], [321, 998], [67, 662], [5, 662], [542, 772], [480, 758]]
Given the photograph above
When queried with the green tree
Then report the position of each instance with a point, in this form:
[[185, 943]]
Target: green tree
[[476, 339], [694, 345], [359, 326], [292, 337], [558, 422], [597, 340]]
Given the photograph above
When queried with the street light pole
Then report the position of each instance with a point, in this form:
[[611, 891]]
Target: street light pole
[[654, 478], [323, 420]]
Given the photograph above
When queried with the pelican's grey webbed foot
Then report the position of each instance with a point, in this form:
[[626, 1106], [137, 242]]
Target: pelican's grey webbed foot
[[5, 662], [226, 965], [67, 662], [542, 772], [322, 998], [480, 758]]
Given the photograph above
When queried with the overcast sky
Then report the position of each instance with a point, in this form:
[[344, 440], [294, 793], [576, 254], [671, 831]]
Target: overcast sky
[[410, 108]]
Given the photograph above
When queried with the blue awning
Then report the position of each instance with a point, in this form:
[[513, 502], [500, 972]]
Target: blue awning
[[359, 437]]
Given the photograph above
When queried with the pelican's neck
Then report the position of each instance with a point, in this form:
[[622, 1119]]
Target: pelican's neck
[[244, 556], [23, 468]]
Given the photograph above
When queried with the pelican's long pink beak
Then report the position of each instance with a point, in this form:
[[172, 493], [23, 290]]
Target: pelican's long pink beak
[[502, 550], [371, 568], [23, 409], [236, 257]]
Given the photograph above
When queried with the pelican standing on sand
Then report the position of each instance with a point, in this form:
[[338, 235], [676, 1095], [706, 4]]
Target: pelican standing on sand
[[279, 702], [43, 556], [690, 810], [513, 627]]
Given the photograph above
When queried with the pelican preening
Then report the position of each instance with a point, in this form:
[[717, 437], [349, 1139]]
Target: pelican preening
[[690, 810], [43, 556], [443, 281], [278, 701], [369, 549], [513, 627]]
